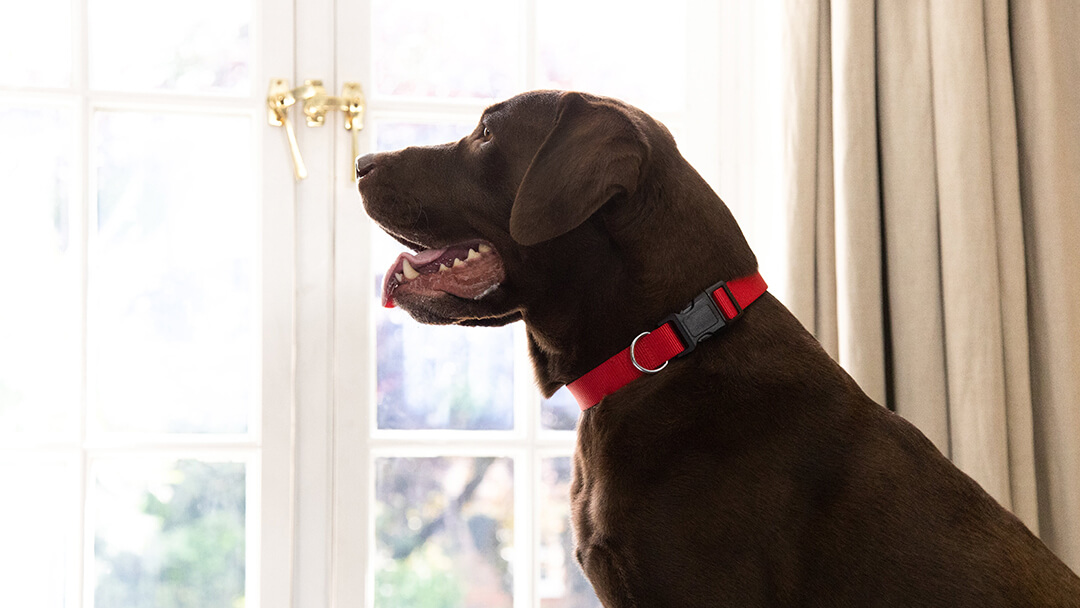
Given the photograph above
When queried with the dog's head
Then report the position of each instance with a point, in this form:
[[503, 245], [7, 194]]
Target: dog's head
[[553, 196]]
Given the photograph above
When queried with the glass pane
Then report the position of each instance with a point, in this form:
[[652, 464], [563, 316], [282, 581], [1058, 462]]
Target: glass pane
[[560, 413], [561, 584], [40, 316], [35, 43], [639, 55], [197, 46], [444, 532], [396, 135], [433, 48], [168, 533], [36, 516], [172, 288], [439, 377]]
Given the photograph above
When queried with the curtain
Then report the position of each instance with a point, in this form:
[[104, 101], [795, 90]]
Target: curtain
[[932, 184]]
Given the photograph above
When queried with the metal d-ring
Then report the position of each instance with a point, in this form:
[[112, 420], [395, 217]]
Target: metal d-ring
[[633, 359]]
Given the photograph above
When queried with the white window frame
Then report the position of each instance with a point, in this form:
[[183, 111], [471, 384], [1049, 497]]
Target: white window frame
[[311, 449]]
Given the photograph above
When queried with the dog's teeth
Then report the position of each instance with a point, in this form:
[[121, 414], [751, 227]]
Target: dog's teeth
[[458, 263], [407, 268], [472, 256], [485, 248], [443, 268], [400, 277]]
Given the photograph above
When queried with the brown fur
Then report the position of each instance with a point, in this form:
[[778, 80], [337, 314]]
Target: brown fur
[[754, 472]]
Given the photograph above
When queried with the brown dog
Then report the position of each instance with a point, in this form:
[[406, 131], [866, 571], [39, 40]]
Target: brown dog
[[753, 472]]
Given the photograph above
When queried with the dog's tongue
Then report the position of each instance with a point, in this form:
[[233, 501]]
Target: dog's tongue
[[391, 280], [469, 270], [423, 258]]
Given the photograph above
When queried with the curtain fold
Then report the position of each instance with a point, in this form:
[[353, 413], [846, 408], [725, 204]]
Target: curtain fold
[[933, 161], [1046, 57]]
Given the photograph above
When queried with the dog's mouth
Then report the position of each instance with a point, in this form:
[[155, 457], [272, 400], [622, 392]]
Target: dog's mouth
[[471, 270]]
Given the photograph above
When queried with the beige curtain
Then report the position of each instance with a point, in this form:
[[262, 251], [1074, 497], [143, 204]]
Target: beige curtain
[[933, 188]]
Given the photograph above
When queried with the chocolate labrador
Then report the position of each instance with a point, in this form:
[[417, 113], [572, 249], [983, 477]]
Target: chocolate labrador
[[751, 471]]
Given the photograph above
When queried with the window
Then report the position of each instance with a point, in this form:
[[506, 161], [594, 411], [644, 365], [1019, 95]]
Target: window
[[201, 400], [131, 301]]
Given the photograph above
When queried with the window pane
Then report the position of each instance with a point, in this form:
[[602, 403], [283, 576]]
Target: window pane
[[35, 43], [36, 514], [439, 377], [40, 318], [639, 55], [561, 584], [395, 135], [168, 533], [433, 48], [197, 46], [560, 413], [172, 303], [444, 532]]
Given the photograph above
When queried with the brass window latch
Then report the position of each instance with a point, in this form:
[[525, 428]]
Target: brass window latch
[[316, 104]]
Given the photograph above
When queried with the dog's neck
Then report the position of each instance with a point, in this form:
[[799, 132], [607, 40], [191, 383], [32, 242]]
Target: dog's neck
[[629, 283]]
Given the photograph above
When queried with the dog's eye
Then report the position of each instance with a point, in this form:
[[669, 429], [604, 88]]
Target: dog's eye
[[486, 134]]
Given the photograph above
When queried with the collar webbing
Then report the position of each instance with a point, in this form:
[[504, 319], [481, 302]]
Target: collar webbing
[[679, 334]]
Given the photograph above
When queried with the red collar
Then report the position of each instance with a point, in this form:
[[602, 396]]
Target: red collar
[[649, 353]]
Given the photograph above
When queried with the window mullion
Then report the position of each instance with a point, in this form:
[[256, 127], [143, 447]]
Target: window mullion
[[276, 58], [81, 587], [354, 352], [529, 44]]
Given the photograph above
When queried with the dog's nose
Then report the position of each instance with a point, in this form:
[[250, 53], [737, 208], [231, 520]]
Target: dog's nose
[[364, 165]]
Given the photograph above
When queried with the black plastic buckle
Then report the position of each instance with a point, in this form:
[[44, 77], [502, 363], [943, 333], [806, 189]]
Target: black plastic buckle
[[702, 318]]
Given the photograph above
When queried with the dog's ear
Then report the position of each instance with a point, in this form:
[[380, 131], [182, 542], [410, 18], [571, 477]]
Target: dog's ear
[[594, 152]]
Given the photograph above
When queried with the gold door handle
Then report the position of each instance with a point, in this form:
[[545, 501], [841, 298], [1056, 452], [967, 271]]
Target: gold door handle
[[353, 93], [316, 104], [278, 101]]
